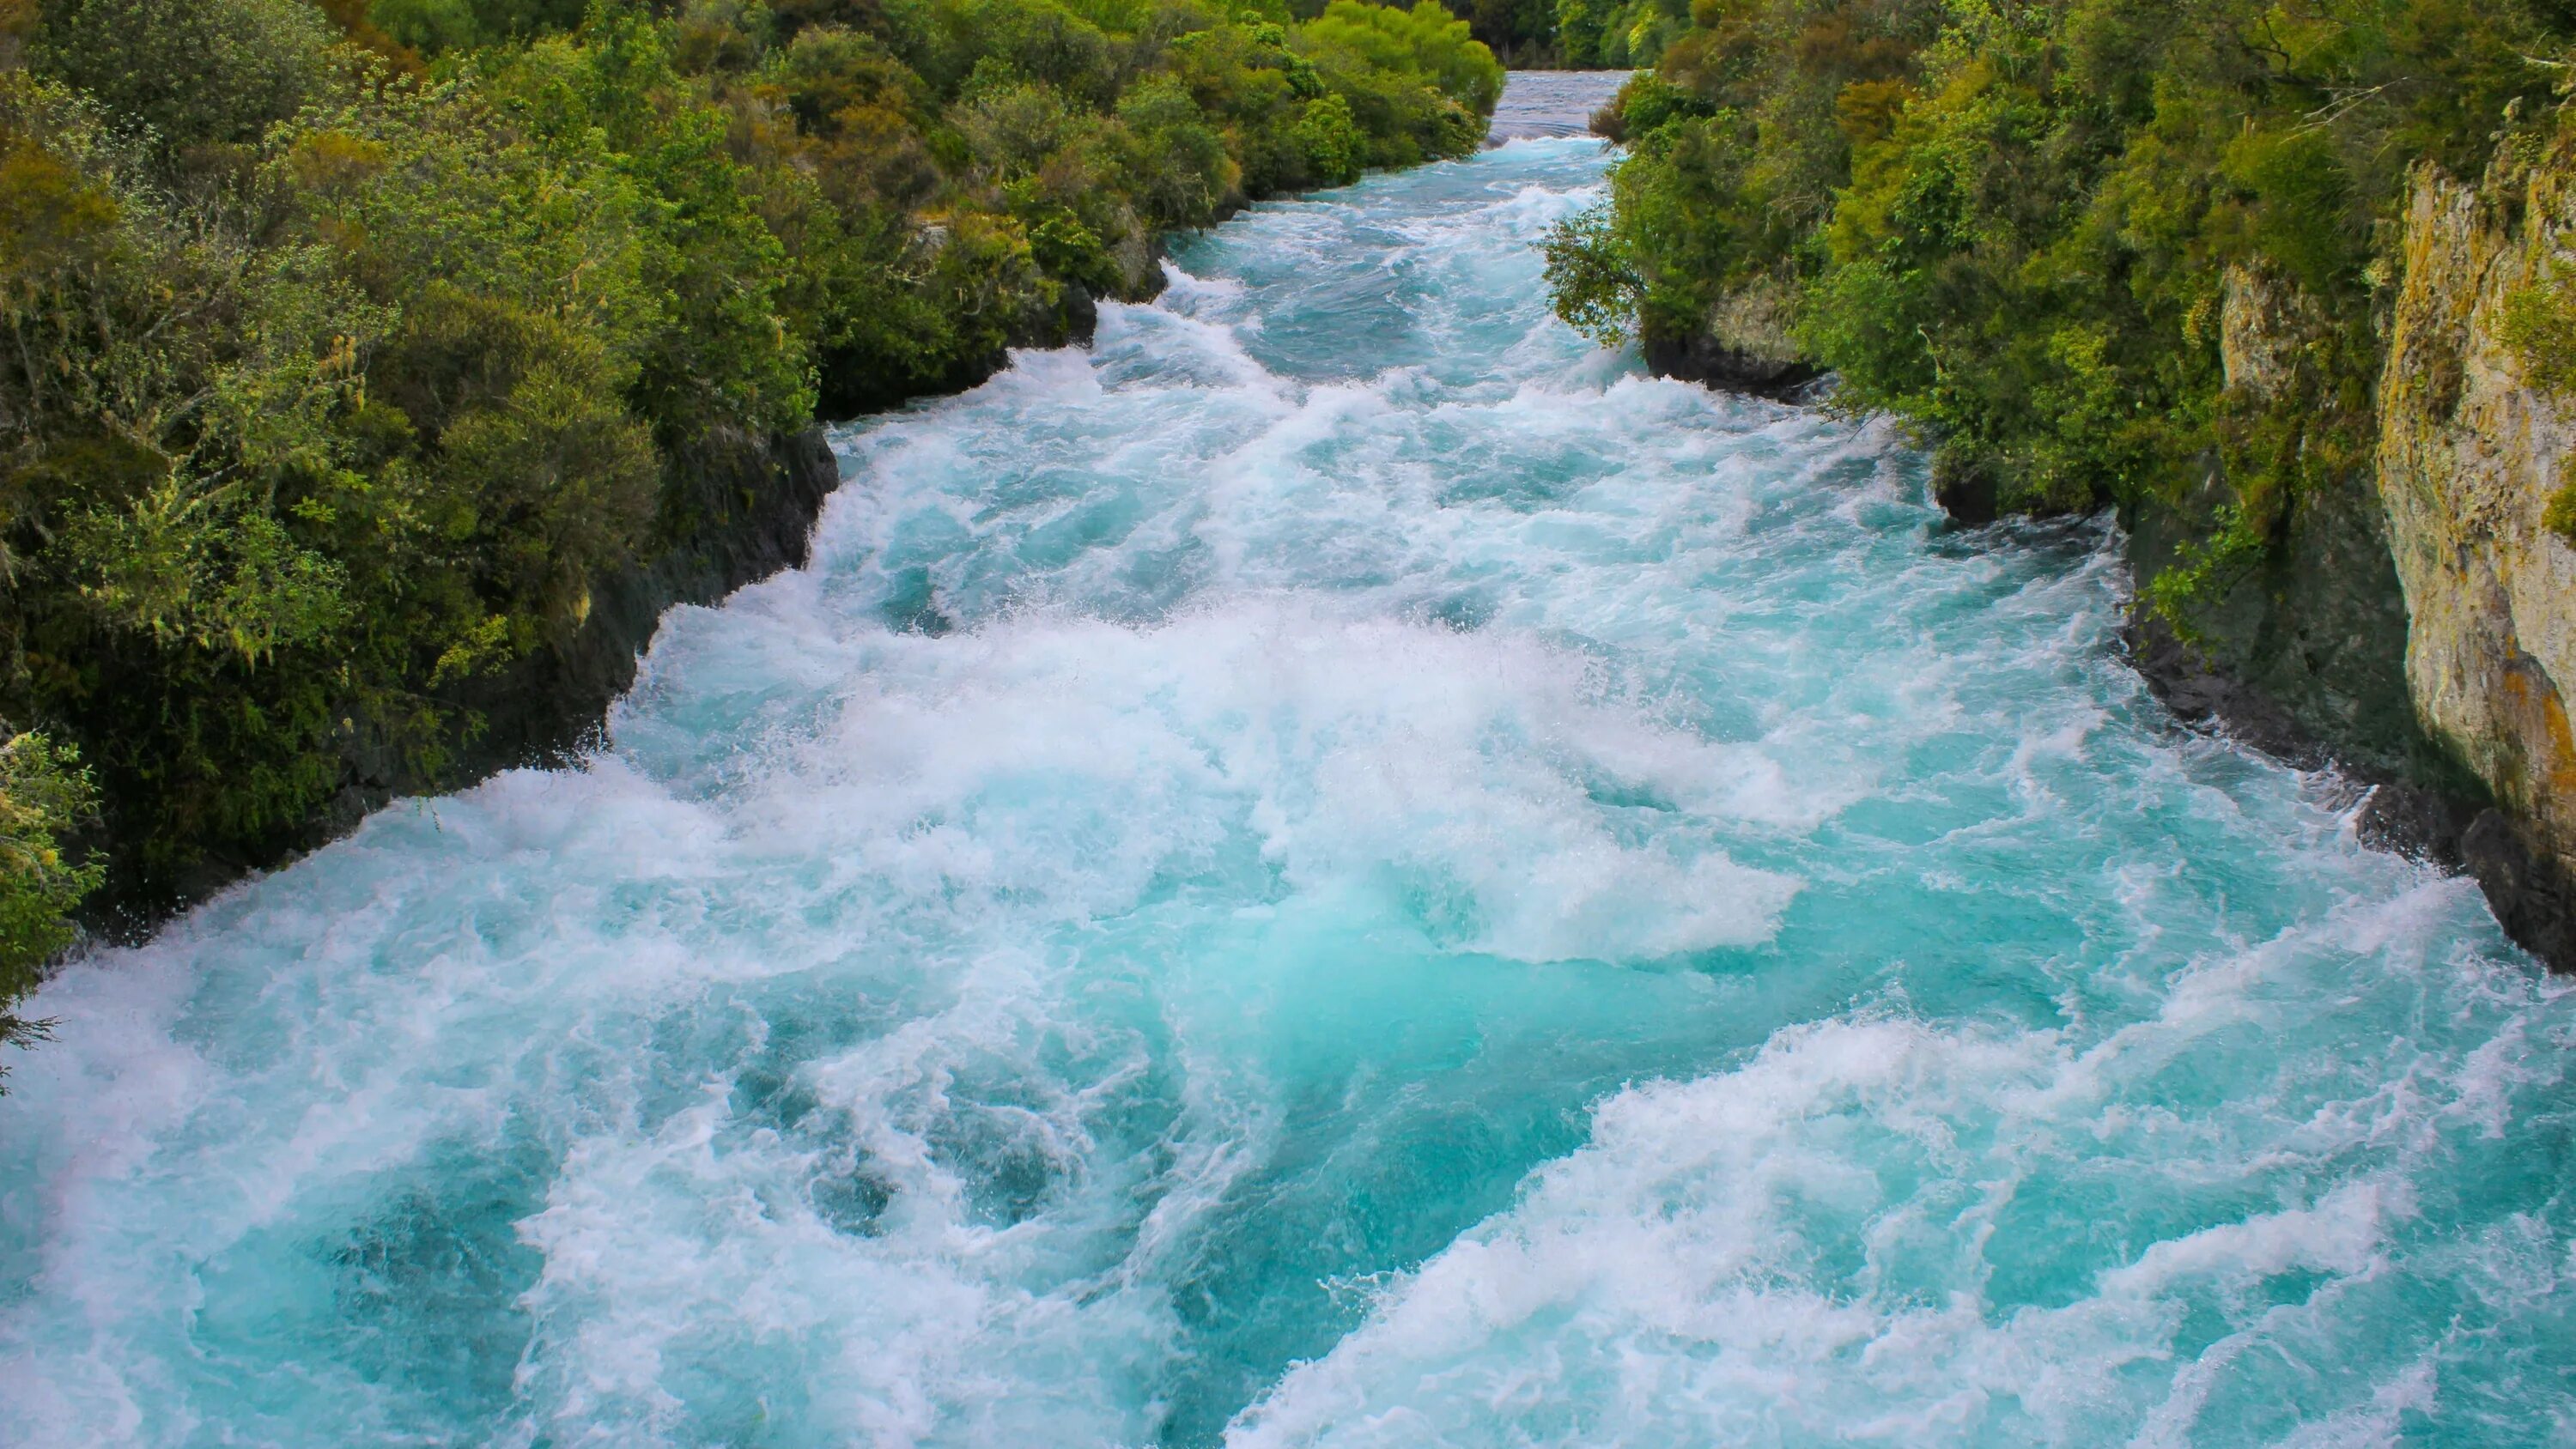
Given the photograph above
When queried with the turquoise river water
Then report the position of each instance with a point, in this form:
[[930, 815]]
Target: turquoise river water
[[1338, 869]]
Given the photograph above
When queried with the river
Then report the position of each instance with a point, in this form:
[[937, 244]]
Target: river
[[1340, 868]]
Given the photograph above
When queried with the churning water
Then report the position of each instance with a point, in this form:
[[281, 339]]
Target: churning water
[[1538, 103], [1338, 869]]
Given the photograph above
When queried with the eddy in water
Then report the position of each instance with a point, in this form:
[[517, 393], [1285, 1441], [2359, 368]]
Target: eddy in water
[[1337, 869]]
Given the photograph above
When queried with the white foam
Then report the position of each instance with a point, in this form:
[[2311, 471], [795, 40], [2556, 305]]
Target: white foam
[[1678, 1280], [1217, 803]]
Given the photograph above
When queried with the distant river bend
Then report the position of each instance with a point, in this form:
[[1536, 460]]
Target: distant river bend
[[1342, 869]]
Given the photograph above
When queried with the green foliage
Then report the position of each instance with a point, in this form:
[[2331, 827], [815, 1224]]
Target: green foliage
[[1522, 33], [2302, 217], [1581, 27], [1739, 143], [1648, 103], [1180, 173], [1424, 41], [722, 357], [2015, 226], [353, 344], [435, 25], [2540, 329], [1595, 288], [45, 796], [1417, 85], [2559, 516], [1329, 139], [1621, 34], [197, 74], [2207, 569]]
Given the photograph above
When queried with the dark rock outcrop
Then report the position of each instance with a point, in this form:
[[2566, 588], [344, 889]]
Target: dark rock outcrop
[[736, 510], [739, 508], [1743, 344], [1704, 359], [2416, 801], [2304, 657]]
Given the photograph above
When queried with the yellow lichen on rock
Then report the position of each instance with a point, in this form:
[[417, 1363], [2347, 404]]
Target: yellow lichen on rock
[[2470, 453]]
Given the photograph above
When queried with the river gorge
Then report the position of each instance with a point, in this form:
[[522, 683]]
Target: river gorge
[[1341, 868]]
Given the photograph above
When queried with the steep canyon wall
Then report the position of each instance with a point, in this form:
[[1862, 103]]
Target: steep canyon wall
[[2470, 453], [2416, 619]]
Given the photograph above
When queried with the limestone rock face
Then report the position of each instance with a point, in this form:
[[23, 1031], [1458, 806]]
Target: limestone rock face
[[2468, 456], [2304, 656], [2264, 325]]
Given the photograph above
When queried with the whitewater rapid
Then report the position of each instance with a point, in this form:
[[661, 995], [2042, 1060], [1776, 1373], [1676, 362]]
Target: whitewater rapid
[[1339, 868]]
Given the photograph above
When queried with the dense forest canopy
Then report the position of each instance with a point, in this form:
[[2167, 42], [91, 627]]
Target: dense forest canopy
[[350, 342]]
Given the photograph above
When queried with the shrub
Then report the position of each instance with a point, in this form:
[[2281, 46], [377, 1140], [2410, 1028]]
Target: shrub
[[1329, 137], [1425, 41], [45, 795], [2008, 224], [196, 72]]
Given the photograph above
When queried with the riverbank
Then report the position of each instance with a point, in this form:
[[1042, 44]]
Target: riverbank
[[387, 372], [1337, 802], [2318, 378]]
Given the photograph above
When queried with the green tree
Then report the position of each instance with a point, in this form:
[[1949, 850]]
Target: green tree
[[196, 73], [45, 796]]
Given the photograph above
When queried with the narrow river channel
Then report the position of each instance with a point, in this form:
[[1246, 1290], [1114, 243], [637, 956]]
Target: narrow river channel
[[1338, 868]]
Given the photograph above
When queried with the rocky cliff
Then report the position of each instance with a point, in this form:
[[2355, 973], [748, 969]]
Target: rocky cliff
[[2414, 617], [2302, 653], [2470, 454]]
